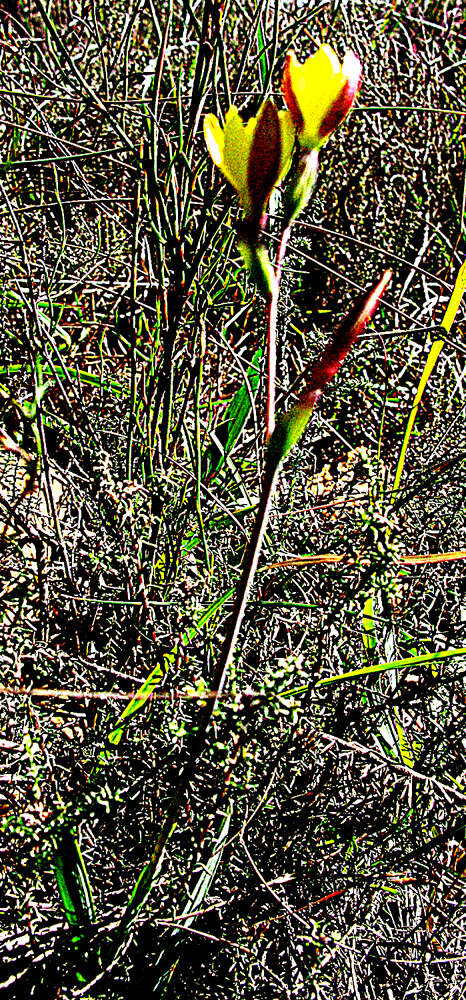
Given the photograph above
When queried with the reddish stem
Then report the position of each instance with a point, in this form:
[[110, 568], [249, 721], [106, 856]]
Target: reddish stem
[[272, 317]]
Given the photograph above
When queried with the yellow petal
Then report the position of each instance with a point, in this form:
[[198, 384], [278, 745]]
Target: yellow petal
[[232, 148], [238, 142], [217, 138], [326, 52], [318, 84], [317, 89], [288, 138], [213, 135]]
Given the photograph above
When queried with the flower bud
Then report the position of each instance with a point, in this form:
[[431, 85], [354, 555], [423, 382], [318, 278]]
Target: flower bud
[[291, 425], [319, 93]]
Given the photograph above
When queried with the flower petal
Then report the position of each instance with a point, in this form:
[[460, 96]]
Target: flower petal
[[253, 156], [352, 69], [340, 107], [288, 139], [288, 91], [238, 142], [265, 157], [214, 137], [320, 83], [319, 93]]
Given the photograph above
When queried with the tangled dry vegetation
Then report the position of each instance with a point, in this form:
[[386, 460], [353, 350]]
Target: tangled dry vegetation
[[320, 848]]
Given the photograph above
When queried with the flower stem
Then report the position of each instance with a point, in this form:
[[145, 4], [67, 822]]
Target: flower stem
[[272, 317], [149, 873]]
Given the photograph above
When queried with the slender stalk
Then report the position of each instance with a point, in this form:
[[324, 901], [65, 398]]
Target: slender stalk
[[272, 312], [198, 448], [247, 576], [287, 432], [150, 872], [272, 318], [133, 332]]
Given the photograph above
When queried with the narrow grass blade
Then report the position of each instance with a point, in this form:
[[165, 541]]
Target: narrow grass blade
[[236, 414], [207, 876], [455, 300], [54, 329], [157, 675], [87, 378], [404, 747], [428, 369], [261, 52], [73, 884], [450, 314], [378, 668], [67, 863], [368, 625], [168, 957]]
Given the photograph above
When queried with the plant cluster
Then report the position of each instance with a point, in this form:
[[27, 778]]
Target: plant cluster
[[231, 505]]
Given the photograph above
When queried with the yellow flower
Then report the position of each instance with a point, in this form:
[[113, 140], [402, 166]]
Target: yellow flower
[[319, 93], [253, 156]]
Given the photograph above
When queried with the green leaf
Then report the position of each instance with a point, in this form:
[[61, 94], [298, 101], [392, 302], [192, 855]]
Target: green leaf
[[236, 415], [157, 676], [73, 883], [169, 956], [261, 51], [87, 378]]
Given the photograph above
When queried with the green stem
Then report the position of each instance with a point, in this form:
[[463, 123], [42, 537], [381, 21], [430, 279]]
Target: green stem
[[151, 870], [198, 450], [272, 318]]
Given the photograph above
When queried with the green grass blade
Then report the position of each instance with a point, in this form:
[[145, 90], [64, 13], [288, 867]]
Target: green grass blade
[[368, 624], [207, 876], [53, 327], [87, 378], [157, 675], [73, 884], [261, 52], [168, 957], [455, 299], [236, 414], [378, 668], [406, 753], [428, 369], [448, 319]]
